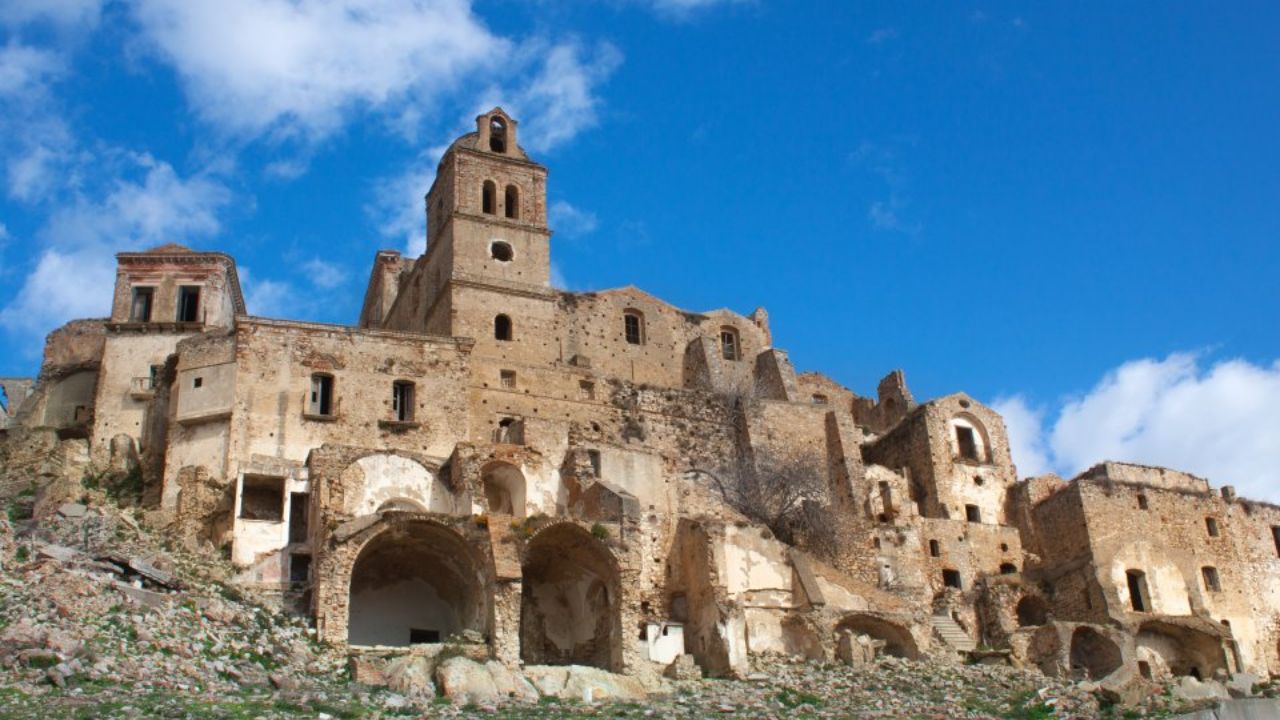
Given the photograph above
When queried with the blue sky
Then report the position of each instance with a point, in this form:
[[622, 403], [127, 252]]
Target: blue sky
[[1070, 212]]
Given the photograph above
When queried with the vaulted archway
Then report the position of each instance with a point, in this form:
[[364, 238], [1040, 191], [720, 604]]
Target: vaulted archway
[[569, 611], [416, 582]]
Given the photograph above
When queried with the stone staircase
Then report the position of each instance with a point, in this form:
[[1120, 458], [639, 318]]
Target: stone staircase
[[952, 634]]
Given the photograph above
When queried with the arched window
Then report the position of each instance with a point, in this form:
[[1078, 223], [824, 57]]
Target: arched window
[[497, 134], [502, 327], [729, 346], [633, 326], [488, 197], [513, 202]]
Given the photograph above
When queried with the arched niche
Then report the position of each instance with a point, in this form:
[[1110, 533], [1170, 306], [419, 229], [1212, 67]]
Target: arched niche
[[1174, 650], [1093, 655], [569, 609], [897, 639], [375, 480], [415, 582], [504, 489]]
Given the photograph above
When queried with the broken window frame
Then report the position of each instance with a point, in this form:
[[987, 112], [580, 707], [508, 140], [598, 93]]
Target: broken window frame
[[730, 343], [323, 395], [402, 400], [144, 295], [1212, 581], [188, 305], [633, 327], [507, 379]]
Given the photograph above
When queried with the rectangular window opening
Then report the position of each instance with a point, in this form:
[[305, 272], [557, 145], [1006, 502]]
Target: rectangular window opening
[[321, 395], [965, 440], [298, 516], [299, 568], [143, 297], [262, 498], [1275, 535], [507, 379], [972, 513], [402, 401], [1211, 524], [189, 303], [1138, 598], [951, 578], [1211, 582], [587, 389], [418, 636], [935, 548]]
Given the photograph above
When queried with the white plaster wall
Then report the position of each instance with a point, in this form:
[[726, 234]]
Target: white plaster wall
[[384, 615], [204, 445], [1167, 587], [754, 563], [254, 539], [391, 477], [764, 630], [664, 642], [639, 473], [215, 395]]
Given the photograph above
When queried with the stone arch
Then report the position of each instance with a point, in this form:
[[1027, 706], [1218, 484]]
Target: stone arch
[[897, 639], [374, 480], [969, 438], [1032, 610], [1093, 655], [504, 488], [1176, 650], [415, 581], [570, 610], [401, 505]]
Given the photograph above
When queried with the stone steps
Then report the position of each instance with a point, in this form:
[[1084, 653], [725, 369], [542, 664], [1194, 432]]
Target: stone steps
[[952, 634]]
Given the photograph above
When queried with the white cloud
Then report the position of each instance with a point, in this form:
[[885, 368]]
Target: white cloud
[[559, 101], [34, 141], [60, 12], [75, 271], [1215, 420], [882, 35], [684, 8], [300, 66], [568, 221], [268, 298], [25, 69], [324, 275], [889, 214], [1026, 437], [397, 204]]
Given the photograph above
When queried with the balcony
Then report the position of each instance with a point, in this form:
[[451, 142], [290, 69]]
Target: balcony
[[142, 388]]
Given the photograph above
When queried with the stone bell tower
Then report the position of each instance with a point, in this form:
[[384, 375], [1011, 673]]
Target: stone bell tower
[[488, 265]]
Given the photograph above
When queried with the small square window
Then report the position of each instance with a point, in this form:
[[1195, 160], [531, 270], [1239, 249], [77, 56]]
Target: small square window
[[507, 379], [972, 513], [951, 578], [262, 498], [198, 382], [587, 390]]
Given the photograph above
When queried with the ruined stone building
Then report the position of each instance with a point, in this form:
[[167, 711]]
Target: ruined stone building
[[604, 479]]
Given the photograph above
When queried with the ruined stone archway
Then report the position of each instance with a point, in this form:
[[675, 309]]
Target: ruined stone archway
[[1175, 650], [569, 609], [504, 489], [897, 639], [1093, 655], [413, 583]]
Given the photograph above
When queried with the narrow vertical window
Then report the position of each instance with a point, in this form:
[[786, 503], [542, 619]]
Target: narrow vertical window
[[633, 326], [966, 443], [321, 395], [1211, 525], [935, 548], [1142, 502], [1275, 535], [402, 400], [729, 346], [140, 311], [189, 303], [1139, 600], [1210, 575], [502, 327], [512, 201], [488, 197]]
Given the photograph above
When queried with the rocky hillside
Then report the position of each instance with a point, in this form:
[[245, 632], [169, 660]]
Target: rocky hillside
[[100, 618]]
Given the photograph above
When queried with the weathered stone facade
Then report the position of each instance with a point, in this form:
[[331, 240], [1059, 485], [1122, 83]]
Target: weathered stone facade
[[604, 479]]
